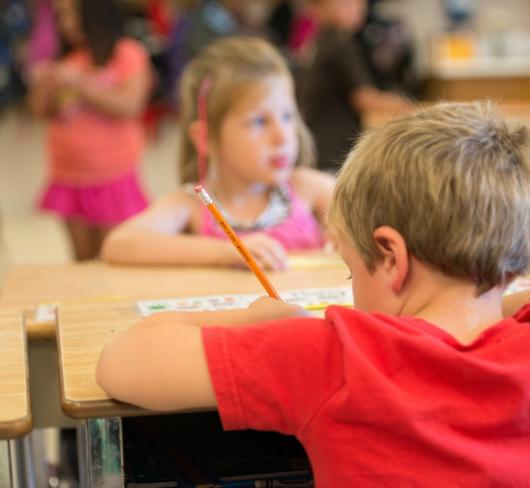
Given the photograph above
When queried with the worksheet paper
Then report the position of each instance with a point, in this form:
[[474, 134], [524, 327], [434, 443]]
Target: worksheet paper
[[308, 298]]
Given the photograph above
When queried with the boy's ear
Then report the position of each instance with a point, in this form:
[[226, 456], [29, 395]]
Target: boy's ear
[[395, 258], [197, 135]]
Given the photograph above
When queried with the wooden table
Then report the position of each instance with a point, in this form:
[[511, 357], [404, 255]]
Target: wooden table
[[470, 88], [516, 109], [84, 327], [15, 414], [27, 287]]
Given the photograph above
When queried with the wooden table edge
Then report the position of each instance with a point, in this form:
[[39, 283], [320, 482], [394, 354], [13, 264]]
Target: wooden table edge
[[17, 428], [100, 409]]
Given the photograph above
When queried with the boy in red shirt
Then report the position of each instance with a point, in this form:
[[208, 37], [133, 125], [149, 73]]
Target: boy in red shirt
[[427, 381]]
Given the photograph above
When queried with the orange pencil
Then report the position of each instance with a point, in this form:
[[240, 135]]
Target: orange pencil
[[236, 241]]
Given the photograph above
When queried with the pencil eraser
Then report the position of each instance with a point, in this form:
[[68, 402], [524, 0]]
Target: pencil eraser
[[198, 188]]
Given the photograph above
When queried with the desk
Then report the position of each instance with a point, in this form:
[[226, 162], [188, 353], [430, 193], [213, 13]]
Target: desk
[[515, 109], [15, 415], [84, 328], [27, 286], [465, 88]]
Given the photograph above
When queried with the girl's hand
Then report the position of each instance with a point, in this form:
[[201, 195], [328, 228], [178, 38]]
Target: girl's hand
[[67, 96], [267, 251], [43, 73], [43, 89], [267, 308], [68, 77]]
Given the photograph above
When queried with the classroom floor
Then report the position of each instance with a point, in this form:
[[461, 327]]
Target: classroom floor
[[29, 236]]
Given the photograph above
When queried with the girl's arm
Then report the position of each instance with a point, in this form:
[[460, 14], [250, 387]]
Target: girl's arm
[[159, 363], [512, 303], [123, 101], [42, 90], [157, 236], [316, 188]]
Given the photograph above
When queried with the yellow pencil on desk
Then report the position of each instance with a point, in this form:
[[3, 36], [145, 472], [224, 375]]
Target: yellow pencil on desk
[[321, 306], [236, 241]]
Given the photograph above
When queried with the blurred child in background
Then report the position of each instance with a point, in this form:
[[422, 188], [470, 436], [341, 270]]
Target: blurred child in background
[[93, 95], [336, 88], [252, 136], [212, 20], [389, 53]]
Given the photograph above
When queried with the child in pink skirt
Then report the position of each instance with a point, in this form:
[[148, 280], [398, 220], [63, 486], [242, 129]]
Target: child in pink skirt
[[93, 96]]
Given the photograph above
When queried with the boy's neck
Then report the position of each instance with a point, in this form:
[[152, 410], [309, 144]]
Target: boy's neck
[[451, 304]]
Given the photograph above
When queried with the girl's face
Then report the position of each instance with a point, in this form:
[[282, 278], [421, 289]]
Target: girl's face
[[69, 22], [258, 140]]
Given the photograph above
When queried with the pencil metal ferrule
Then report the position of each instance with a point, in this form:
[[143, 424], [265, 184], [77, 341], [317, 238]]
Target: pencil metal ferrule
[[203, 195]]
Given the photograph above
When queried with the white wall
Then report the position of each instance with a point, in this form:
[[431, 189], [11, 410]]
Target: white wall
[[426, 17]]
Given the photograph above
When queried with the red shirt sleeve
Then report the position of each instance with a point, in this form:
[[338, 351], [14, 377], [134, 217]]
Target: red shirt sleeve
[[273, 376]]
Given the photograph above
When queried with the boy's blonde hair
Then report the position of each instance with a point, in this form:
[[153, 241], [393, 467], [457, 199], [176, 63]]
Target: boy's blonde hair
[[454, 180], [234, 65]]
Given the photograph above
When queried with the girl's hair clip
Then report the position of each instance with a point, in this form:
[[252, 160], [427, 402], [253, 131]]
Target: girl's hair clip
[[202, 113]]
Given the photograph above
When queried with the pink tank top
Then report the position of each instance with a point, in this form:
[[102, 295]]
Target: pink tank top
[[287, 219]]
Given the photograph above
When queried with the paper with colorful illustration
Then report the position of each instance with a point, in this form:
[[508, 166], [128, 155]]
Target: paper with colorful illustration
[[308, 298]]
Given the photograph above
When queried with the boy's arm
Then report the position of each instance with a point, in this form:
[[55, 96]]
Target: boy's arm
[[512, 303], [160, 364]]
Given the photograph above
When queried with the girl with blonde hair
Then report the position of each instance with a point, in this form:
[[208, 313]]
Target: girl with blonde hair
[[243, 139]]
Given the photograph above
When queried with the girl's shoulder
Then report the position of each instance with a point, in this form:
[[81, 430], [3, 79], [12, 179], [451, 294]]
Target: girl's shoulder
[[129, 55], [130, 45], [79, 56], [311, 184], [176, 210], [184, 196]]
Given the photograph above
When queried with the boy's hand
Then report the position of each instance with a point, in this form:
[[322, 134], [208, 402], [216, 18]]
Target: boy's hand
[[263, 309], [267, 308]]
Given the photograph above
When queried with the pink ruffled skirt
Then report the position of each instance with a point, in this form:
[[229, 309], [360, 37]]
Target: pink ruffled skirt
[[104, 205]]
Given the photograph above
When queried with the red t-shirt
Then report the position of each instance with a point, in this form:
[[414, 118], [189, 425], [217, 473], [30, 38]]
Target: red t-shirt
[[383, 401]]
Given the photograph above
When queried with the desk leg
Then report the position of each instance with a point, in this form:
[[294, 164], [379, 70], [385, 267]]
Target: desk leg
[[82, 454], [16, 467], [23, 469], [103, 454], [6, 480], [45, 392]]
